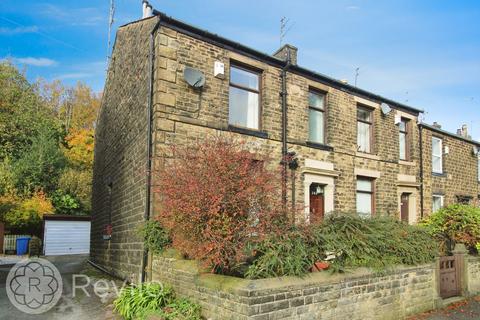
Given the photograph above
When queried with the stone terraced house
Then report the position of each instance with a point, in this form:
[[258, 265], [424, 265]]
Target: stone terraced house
[[356, 151]]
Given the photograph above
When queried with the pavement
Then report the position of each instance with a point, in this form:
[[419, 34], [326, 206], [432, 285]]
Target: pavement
[[462, 310], [74, 303]]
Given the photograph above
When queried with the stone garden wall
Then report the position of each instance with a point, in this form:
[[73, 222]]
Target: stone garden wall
[[472, 275], [357, 295]]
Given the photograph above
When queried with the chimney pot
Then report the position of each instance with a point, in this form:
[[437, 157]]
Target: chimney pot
[[284, 52]]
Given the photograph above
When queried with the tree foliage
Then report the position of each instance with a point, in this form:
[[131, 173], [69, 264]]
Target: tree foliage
[[39, 167], [46, 148], [22, 115]]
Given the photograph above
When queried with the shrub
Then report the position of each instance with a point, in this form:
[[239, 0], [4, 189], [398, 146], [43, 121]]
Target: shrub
[[134, 302], [155, 237], [180, 309], [455, 224], [215, 197], [25, 215], [65, 203], [377, 242], [77, 183], [154, 300], [347, 241], [291, 253]]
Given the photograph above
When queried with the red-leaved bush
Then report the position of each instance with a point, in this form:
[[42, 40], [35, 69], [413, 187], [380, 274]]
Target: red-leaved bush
[[215, 197]]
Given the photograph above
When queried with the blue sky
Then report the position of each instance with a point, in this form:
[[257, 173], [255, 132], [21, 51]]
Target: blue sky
[[423, 53]]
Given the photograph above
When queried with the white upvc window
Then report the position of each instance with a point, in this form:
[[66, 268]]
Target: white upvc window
[[364, 129], [316, 117], [437, 155], [244, 98], [365, 197], [437, 202]]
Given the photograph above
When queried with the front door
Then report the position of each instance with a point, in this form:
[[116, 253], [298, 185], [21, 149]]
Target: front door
[[405, 204], [317, 202]]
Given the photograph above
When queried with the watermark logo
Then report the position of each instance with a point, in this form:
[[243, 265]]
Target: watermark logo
[[34, 286]]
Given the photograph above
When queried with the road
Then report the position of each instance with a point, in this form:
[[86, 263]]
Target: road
[[74, 304]]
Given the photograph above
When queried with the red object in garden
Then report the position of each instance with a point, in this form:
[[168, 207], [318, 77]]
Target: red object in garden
[[320, 266]]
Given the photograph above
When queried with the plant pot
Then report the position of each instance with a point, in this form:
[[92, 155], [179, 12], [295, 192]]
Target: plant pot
[[320, 266]]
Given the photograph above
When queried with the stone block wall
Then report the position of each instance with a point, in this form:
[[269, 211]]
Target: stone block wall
[[184, 115], [472, 274], [358, 295], [120, 154]]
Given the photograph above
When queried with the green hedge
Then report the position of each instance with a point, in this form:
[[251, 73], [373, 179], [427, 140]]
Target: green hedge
[[347, 241]]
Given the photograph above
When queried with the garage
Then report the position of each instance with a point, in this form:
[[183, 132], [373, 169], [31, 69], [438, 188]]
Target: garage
[[66, 235]]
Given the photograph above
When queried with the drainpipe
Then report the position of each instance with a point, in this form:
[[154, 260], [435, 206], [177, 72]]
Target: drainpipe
[[421, 171], [151, 65], [284, 130]]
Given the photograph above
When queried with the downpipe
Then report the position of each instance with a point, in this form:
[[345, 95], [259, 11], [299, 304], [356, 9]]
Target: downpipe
[[151, 65]]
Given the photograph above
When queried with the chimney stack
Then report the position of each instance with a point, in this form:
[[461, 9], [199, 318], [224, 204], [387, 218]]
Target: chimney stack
[[464, 132], [147, 9], [287, 50], [437, 125]]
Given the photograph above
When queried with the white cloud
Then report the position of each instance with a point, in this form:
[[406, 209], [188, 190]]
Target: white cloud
[[36, 62], [18, 30], [353, 8]]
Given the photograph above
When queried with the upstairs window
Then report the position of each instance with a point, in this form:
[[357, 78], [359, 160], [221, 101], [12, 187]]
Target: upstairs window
[[404, 140], [316, 117], [365, 197], [244, 98], [437, 155], [364, 129]]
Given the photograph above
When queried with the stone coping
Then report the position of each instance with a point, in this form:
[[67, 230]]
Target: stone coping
[[256, 287]]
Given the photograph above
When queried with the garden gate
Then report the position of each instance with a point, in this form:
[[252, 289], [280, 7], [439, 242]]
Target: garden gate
[[450, 276]]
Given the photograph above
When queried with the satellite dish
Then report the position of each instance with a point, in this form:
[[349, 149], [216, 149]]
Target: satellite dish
[[195, 78], [385, 108]]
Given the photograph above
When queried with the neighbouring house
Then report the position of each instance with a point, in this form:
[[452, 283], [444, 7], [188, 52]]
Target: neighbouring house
[[357, 151], [451, 167]]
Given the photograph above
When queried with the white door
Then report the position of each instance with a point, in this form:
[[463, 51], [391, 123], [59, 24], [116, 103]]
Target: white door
[[66, 237]]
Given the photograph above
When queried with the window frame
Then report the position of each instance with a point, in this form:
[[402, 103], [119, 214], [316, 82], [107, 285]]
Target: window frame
[[258, 73], [440, 156], [371, 126], [323, 111], [442, 199], [407, 134], [371, 193]]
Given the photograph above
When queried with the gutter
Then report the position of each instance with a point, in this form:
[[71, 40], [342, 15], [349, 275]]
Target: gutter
[[146, 215], [228, 44]]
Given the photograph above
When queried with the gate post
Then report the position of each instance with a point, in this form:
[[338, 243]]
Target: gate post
[[459, 253]]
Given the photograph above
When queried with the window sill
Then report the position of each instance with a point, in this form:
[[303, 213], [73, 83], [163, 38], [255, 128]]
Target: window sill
[[406, 163], [367, 155], [250, 132], [441, 175], [320, 146]]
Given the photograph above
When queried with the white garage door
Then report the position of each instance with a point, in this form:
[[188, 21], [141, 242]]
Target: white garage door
[[66, 237]]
